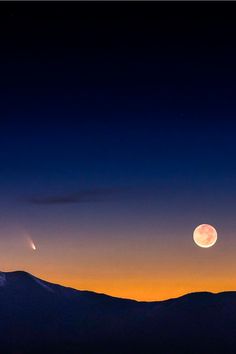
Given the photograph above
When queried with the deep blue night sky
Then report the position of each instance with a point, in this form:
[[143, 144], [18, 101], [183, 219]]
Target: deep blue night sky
[[118, 129]]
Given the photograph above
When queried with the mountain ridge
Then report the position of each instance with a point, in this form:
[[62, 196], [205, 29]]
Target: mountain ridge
[[37, 316], [23, 273]]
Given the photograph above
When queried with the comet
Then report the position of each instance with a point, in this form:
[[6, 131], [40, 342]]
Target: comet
[[31, 243]]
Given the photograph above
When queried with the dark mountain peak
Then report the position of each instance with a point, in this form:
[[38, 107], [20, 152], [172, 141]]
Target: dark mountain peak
[[21, 280], [196, 296], [16, 274], [207, 296]]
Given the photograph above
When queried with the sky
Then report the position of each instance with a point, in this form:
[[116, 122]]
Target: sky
[[117, 138]]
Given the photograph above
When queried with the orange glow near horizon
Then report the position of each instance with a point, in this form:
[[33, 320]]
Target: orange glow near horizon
[[125, 267], [147, 290], [130, 278], [141, 289]]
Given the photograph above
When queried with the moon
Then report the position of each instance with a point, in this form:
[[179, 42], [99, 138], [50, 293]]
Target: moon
[[205, 235]]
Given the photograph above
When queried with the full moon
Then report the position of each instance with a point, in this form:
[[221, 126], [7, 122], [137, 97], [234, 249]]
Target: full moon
[[205, 235]]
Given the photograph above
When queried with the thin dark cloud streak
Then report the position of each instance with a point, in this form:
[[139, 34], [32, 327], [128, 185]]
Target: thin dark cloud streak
[[113, 194], [83, 196]]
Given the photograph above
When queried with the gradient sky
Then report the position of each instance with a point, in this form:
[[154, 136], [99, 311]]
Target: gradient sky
[[117, 138]]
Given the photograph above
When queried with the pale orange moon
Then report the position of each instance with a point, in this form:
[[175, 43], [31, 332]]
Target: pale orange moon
[[205, 235]]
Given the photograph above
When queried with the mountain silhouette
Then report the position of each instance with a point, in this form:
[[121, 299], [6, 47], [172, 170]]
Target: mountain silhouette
[[40, 317]]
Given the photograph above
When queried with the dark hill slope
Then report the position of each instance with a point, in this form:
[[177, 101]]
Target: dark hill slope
[[39, 317]]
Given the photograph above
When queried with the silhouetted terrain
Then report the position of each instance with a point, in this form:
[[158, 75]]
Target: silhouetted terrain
[[40, 317]]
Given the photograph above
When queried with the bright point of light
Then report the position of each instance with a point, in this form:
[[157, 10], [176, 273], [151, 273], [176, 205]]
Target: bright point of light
[[33, 246]]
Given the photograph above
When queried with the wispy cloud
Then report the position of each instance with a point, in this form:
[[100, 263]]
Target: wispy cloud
[[83, 196]]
